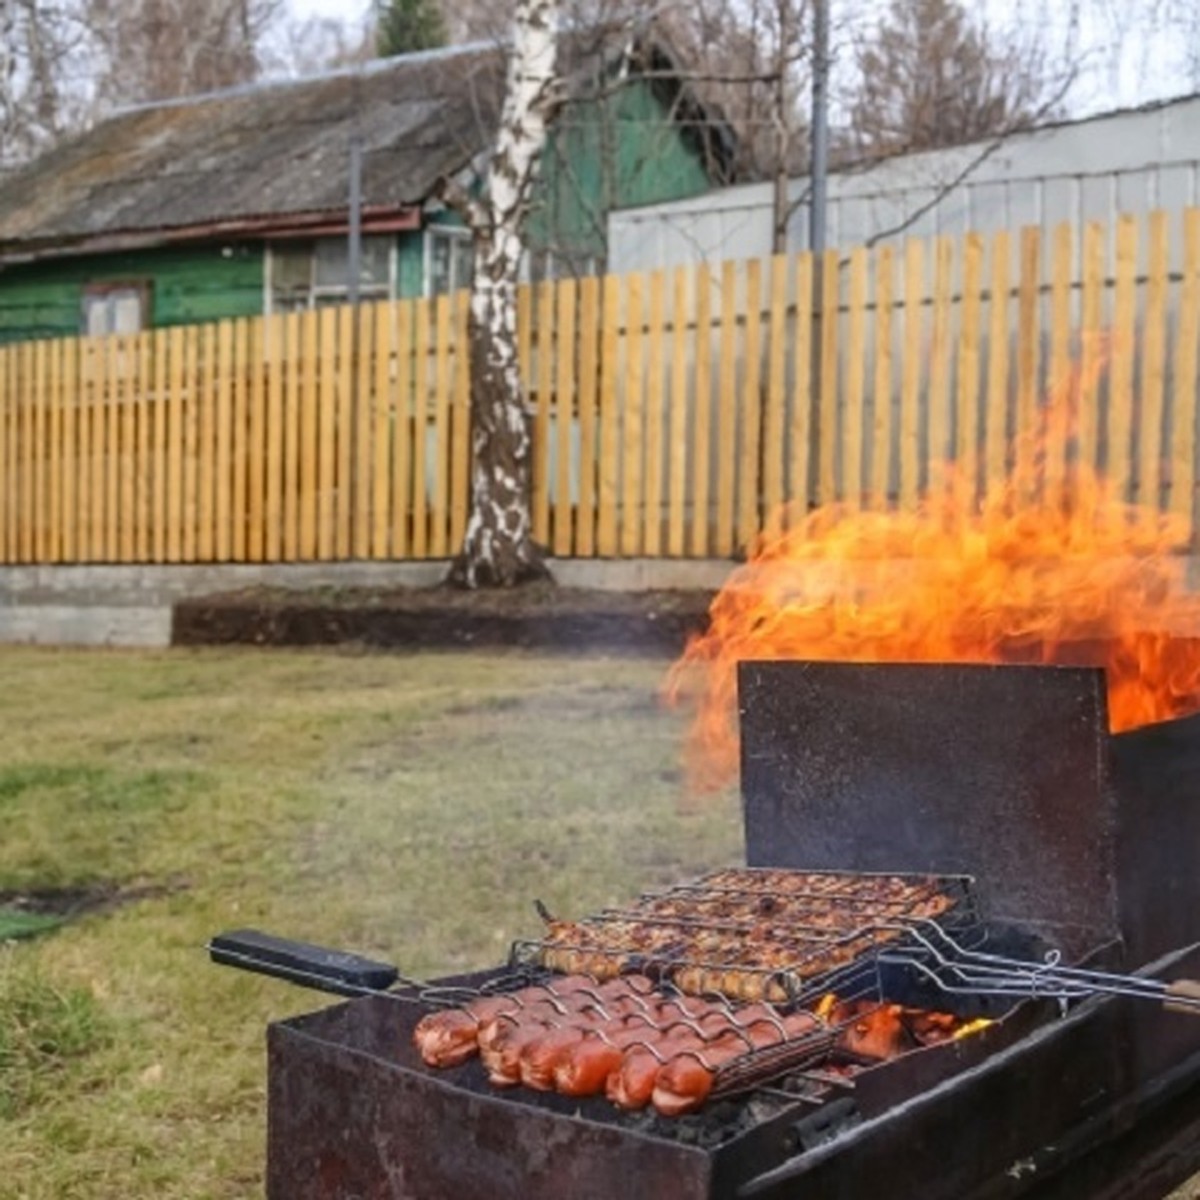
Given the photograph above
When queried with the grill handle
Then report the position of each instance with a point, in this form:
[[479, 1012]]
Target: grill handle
[[314, 967]]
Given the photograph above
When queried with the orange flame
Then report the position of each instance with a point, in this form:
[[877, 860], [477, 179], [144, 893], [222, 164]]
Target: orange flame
[[1048, 566]]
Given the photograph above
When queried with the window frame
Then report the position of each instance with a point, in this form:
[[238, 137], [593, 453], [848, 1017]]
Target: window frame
[[102, 289], [459, 237], [319, 295]]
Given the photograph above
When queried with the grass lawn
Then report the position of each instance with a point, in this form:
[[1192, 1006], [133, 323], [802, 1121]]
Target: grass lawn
[[410, 808]]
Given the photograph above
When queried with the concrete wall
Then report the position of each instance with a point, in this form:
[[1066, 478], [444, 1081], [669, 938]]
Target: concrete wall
[[131, 605]]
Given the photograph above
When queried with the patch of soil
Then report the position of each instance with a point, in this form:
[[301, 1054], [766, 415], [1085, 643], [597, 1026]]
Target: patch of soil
[[68, 902], [537, 616]]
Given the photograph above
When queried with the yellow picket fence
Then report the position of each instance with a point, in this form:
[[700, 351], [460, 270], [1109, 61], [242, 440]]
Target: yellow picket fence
[[673, 413]]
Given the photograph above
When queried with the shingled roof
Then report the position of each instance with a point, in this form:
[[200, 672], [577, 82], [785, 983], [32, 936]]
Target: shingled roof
[[270, 157]]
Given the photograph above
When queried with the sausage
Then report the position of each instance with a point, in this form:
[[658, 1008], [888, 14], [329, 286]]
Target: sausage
[[684, 1083], [631, 1085], [583, 1069], [448, 1038]]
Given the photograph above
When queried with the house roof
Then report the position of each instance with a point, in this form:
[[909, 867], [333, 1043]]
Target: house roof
[[264, 158]]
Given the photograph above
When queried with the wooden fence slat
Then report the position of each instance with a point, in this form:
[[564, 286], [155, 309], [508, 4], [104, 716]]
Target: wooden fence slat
[[363, 423], [145, 462], [702, 392], [677, 422], [586, 385], [327, 437], [939, 354], [827, 423], [1093, 337], [310, 424], [750, 416], [564, 413], [294, 406], [1183, 399], [176, 409], [191, 445], [269, 356], [543, 403], [908, 458], [22, 465], [158, 408], [222, 378], [996, 412], [1154, 350], [853, 446], [774, 446], [253, 372], [404, 447], [8, 393], [383, 322], [799, 431], [1119, 438], [39, 400], [110, 448], [345, 383], [460, 424], [967, 423], [655, 411], [13, 464], [208, 401], [126, 447], [27, 402], [71, 399], [54, 466], [633, 423], [441, 428], [881, 436], [726, 412], [1063, 383], [610, 428], [240, 374], [1028, 332], [420, 441]]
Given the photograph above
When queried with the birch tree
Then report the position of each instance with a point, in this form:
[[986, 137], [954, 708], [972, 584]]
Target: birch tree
[[498, 548]]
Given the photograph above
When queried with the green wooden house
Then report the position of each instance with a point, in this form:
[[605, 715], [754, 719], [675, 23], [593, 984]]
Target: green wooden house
[[237, 203]]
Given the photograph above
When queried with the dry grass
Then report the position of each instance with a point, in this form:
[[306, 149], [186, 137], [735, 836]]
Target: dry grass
[[407, 807]]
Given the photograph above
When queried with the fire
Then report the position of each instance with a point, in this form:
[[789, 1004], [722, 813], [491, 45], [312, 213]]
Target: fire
[[1046, 566], [885, 1031]]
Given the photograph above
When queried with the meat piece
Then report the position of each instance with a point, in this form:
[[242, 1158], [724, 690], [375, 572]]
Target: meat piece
[[541, 1056], [631, 1085], [685, 1083], [584, 1068], [448, 1038]]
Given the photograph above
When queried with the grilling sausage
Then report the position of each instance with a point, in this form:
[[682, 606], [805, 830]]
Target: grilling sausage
[[684, 1083], [450, 1037]]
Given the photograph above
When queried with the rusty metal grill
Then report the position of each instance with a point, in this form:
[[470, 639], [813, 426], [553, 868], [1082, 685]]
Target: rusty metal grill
[[753, 933]]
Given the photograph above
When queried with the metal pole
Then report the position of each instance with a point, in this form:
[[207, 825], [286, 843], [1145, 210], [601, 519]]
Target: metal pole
[[819, 167], [354, 248], [818, 172]]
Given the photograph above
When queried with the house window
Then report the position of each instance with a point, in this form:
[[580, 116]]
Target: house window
[[448, 260], [316, 273], [115, 308]]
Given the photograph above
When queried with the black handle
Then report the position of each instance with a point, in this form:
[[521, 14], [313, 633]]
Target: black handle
[[314, 967]]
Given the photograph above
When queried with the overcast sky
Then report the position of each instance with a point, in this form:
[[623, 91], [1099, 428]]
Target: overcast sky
[[1120, 67]]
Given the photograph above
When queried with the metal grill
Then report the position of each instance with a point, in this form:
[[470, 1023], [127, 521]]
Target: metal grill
[[753, 934]]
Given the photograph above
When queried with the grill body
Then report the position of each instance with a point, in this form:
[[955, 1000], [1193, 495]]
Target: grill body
[[1004, 774]]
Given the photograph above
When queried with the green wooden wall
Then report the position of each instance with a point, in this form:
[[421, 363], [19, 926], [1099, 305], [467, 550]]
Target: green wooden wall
[[617, 152], [192, 283]]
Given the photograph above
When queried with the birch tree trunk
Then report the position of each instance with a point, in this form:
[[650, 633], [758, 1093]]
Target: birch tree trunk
[[498, 548]]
